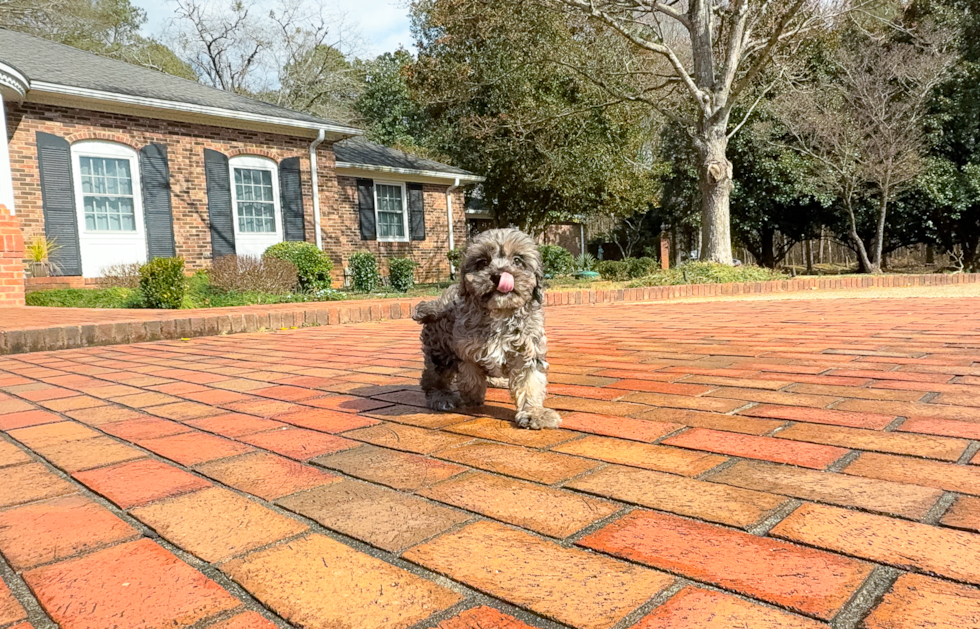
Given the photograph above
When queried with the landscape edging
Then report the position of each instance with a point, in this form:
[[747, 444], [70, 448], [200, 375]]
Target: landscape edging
[[214, 321]]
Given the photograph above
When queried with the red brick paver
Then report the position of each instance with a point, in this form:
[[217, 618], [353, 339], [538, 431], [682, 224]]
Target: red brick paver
[[770, 455]]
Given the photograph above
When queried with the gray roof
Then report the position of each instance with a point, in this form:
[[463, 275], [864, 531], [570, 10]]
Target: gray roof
[[50, 62], [360, 151]]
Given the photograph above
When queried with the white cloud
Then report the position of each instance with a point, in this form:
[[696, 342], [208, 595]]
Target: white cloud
[[384, 24]]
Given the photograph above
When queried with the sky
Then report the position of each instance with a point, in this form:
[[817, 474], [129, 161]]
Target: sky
[[384, 24]]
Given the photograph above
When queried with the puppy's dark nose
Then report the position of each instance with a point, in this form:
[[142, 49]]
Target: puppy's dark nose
[[495, 278]]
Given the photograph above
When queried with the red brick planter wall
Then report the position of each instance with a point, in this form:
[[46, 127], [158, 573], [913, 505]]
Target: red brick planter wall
[[11, 256]]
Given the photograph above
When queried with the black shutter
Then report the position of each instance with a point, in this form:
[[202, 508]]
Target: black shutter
[[220, 213], [58, 202], [291, 196], [155, 175], [416, 211], [365, 207]]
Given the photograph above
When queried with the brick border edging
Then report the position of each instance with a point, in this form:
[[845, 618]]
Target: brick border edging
[[235, 321]]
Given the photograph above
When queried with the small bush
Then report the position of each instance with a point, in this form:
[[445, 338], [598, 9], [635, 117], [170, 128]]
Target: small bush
[[162, 283], [312, 265], [365, 276], [252, 273], [401, 273], [585, 262], [39, 251], [556, 260], [612, 270], [120, 276], [639, 267], [626, 269], [455, 256]]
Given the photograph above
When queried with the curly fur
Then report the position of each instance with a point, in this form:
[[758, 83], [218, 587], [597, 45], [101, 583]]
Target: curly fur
[[473, 332]]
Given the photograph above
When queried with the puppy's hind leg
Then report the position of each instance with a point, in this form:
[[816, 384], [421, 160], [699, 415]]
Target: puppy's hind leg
[[437, 383], [472, 384], [528, 387]]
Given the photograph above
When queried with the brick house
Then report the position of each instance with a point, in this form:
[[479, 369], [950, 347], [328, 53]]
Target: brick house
[[122, 164]]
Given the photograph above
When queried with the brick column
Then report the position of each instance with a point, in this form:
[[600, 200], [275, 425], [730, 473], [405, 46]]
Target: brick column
[[11, 260]]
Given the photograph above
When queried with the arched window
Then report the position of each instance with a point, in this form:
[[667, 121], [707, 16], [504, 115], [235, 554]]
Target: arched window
[[256, 203], [109, 205], [107, 186]]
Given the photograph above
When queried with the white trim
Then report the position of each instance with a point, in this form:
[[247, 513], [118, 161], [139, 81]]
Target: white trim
[[437, 174], [6, 175], [204, 110], [255, 240], [449, 217], [12, 78], [100, 248], [377, 224], [316, 188]]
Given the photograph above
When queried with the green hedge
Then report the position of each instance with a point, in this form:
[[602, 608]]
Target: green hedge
[[162, 283], [365, 276], [401, 273], [556, 260], [312, 265]]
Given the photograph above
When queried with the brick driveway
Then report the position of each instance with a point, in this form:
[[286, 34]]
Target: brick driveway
[[731, 465]]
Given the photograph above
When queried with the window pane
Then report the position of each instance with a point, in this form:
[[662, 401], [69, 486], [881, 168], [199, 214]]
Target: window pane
[[107, 194], [391, 222]]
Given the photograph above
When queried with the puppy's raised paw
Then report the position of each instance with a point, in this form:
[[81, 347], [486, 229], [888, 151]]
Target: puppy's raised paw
[[538, 417], [440, 401]]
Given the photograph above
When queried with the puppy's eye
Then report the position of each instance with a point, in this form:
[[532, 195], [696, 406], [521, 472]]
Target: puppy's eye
[[519, 262], [481, 263]]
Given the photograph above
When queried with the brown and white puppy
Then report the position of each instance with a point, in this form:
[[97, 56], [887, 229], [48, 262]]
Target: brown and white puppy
[[490, 325]]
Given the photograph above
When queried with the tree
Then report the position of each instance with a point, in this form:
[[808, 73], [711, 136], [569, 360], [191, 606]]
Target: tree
[[548, 142], [293, 55], [713, 52], [862, 126], [391, 114], [106, 27], [948, 192]]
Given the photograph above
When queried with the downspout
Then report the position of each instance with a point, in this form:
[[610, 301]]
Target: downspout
[[581, 228], [316, 188], [449, 217]]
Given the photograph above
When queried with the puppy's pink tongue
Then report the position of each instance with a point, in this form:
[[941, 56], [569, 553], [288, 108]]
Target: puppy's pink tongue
[[506, 282]]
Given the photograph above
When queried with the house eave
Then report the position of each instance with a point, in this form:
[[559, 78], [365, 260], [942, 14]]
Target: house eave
[[66, 95], [353, 169]]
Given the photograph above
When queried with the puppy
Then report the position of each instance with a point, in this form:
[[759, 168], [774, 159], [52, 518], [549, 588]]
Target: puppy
[[490, 325]]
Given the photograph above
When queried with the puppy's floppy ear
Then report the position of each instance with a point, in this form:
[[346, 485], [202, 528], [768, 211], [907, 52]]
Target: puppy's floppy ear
[[537, 295]]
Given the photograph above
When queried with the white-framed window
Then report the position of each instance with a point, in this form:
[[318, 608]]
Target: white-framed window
[[391, 211], [107, 187], [255, 195]]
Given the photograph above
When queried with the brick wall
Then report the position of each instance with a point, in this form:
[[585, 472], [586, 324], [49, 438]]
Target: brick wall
[[342, 235], [185, 146], [567, 235], [11, 256]]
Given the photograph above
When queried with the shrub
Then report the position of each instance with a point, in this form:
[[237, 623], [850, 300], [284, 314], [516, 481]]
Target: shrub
[[312, 265], [252, 273], [364, 272], [455, 256], [162, 283], [613, 270], [556, 260], [120, 276], [401, 273], [585, 262], [639, 267]]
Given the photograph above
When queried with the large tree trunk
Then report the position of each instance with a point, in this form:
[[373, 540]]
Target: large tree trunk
[[880, 233], [715, 175], [864, 263], [767, 251]]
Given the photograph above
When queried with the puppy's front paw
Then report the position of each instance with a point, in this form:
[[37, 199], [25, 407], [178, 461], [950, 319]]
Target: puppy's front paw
[[498, 383], [444, 401], [538, 417]]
